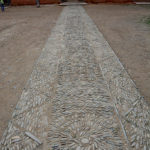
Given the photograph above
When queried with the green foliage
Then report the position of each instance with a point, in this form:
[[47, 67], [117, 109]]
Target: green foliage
[[147, 20]]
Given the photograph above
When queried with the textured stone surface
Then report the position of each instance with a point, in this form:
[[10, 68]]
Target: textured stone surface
[[82, 107], [79, 97]]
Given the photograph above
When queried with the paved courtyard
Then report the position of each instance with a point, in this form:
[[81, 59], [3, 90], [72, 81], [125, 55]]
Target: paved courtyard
[[79, 96]]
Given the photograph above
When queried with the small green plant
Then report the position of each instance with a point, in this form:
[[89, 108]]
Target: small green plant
[[147, 20]]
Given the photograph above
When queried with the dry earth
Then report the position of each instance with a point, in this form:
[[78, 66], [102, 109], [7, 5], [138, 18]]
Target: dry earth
[[23, 33], [124, 29]]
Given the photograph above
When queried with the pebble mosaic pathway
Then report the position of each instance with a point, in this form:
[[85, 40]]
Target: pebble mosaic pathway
[[79, 97]]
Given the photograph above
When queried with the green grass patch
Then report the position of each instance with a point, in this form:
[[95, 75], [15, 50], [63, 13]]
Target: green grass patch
[[147, 20]]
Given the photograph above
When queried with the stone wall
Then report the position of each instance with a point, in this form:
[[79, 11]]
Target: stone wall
[[32, 2]]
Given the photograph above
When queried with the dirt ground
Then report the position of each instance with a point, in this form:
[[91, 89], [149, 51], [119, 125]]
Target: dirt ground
[[124, 28], [23, 33]]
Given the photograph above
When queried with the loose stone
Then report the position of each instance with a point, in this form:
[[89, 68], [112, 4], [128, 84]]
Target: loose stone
[[85, 141]]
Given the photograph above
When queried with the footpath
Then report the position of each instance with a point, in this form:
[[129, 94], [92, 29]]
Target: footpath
[[79, 96]]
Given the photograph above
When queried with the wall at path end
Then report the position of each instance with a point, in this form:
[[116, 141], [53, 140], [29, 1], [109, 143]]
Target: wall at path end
[[32, 2]]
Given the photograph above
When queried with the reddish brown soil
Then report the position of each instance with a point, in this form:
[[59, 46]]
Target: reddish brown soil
[[23, 33], [124, 29]]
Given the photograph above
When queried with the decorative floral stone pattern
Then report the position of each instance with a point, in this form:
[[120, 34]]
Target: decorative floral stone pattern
[[83, 114]]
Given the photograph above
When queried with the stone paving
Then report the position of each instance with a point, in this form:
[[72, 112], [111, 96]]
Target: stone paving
[[79, 97]]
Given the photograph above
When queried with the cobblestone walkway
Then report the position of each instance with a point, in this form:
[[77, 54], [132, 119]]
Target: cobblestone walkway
[[79, 97]]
